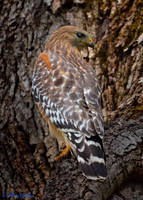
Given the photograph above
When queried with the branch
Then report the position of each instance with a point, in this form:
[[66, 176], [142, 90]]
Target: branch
[[123, 144]]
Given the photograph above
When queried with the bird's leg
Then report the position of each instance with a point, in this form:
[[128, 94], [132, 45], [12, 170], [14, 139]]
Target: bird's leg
[[64, 152]]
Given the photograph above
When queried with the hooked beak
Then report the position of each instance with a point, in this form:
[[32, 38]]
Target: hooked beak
[[90, 43]]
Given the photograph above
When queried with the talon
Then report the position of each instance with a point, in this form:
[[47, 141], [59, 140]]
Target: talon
[[64, 152]]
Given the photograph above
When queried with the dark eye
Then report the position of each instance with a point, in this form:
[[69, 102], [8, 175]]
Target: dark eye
[[79, 34]]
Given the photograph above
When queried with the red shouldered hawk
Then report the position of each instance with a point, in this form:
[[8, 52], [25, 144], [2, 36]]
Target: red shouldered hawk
[[66, 90]]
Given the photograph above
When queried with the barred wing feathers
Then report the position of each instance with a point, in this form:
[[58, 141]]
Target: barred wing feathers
[[70, 97]]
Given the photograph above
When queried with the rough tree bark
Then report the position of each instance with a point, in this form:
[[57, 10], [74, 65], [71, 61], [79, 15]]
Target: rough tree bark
[[26, 148]]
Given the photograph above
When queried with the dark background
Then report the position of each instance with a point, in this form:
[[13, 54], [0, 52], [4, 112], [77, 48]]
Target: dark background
[[26, 149]]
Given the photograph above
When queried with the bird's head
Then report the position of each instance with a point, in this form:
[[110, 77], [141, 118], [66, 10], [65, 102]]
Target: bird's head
[[73, 35]]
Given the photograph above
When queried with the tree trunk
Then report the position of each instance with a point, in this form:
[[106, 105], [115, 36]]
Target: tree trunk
[[26, 149]]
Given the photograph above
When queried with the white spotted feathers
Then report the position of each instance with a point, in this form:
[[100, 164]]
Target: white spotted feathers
[[67, 89]]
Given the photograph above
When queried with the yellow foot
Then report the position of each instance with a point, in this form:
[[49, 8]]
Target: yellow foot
[[64, 152]]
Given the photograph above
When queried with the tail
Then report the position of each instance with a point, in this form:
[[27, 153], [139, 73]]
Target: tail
[[90, 155]]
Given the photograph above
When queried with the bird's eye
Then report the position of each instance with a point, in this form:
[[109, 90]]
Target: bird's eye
[[80, 35]]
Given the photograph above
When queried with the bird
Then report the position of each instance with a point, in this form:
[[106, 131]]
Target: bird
[[68, 95]]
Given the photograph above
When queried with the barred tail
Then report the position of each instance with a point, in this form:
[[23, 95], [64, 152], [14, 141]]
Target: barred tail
[[90, 155]]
